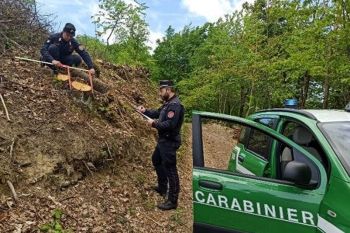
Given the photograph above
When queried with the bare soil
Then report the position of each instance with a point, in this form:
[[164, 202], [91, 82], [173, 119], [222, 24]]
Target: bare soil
[[218, 142]]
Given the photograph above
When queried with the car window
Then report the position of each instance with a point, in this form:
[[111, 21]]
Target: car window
[[302, 136], [338, 134], [269, 122], [289, 128], [258, 143], [219, 140]]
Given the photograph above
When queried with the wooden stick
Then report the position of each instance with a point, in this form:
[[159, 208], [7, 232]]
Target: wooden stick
[[49, 63], [13, 191], [88, 168], [13, 42], [91, 127], [3, 103], [5, 21], [67, 198], [109, 151], [11, 148], [153, 220]]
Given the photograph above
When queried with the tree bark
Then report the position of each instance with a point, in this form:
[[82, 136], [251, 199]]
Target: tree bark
[[326, 92], [304, 89]]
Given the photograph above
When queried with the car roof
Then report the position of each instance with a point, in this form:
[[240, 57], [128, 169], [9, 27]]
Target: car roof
[[330, 115], [323, 115]]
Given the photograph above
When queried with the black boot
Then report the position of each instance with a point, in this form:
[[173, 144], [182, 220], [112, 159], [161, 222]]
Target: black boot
[[167, 205]]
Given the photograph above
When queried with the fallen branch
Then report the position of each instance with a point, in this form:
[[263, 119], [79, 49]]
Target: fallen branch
[[91, 128], [67, 198], [3, 103], [13, 191], [6, 21], [11, 148], [154, 221], [87, 167], [54, 201], [14, 42], [108, 150]]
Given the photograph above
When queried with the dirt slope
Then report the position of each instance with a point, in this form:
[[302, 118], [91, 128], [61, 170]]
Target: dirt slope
[[89, 159], [56, 137]]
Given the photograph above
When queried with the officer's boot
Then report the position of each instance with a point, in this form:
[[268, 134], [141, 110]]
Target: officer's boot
[[167, 205]]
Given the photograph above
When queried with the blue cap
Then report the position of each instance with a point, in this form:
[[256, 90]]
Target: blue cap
[[290, 103]]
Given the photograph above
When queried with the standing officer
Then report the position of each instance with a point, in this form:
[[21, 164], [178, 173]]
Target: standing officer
[[59, 47], [169, 119]]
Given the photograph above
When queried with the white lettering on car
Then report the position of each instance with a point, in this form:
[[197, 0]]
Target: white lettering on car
[[223, 200], [211, 199], [307, 216], [235, 204], [281, 212], [292, 215], [270, 211], [201, 200], [258, 208], [248, 206]]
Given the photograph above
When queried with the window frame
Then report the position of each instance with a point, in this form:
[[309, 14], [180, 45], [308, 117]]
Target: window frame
[[198, 155]]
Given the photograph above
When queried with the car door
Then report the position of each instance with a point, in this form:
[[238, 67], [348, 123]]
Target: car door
[[226, 201], [254, 149]]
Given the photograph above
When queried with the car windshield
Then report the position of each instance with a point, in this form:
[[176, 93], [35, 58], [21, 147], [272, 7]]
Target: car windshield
[[338, 134]]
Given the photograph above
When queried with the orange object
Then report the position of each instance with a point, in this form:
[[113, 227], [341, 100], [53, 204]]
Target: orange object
[[62, 77], [77, 85], [81, 86]]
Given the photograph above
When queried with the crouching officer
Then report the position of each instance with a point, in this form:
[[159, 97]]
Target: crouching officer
[[59, 47], [169, 119]]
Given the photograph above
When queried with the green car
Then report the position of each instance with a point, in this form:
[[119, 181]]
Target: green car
[[288, 172]]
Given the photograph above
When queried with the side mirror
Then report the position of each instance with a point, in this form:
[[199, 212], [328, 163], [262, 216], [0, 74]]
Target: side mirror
[[298, 173]]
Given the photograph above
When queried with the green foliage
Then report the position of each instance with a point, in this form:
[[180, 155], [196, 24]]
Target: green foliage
[[54, 226], [256, 58], [122, 20], [122, 53], [173, 55], [126, 33]]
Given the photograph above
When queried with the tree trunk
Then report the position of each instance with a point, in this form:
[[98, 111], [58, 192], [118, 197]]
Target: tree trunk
[[305, 90], [242, 102], [326, 92], [251, 98]]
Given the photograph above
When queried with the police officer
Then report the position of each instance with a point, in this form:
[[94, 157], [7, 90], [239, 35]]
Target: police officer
[[168, 121], [59, 47]]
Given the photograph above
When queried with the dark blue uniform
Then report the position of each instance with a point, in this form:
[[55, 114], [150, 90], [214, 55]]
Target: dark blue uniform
[[170, 118], [56, 48]]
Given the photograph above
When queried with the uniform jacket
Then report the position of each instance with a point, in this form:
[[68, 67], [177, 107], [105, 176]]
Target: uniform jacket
[[170, 118], [66, 48]]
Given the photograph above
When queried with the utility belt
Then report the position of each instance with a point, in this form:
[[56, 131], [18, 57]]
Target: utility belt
[[170, 137]]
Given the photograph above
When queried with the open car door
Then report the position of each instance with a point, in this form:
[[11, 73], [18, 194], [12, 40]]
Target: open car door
[[226, 200]]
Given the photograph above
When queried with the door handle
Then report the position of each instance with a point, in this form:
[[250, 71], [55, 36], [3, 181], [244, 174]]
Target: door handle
[[210, 184], [240, 158]]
